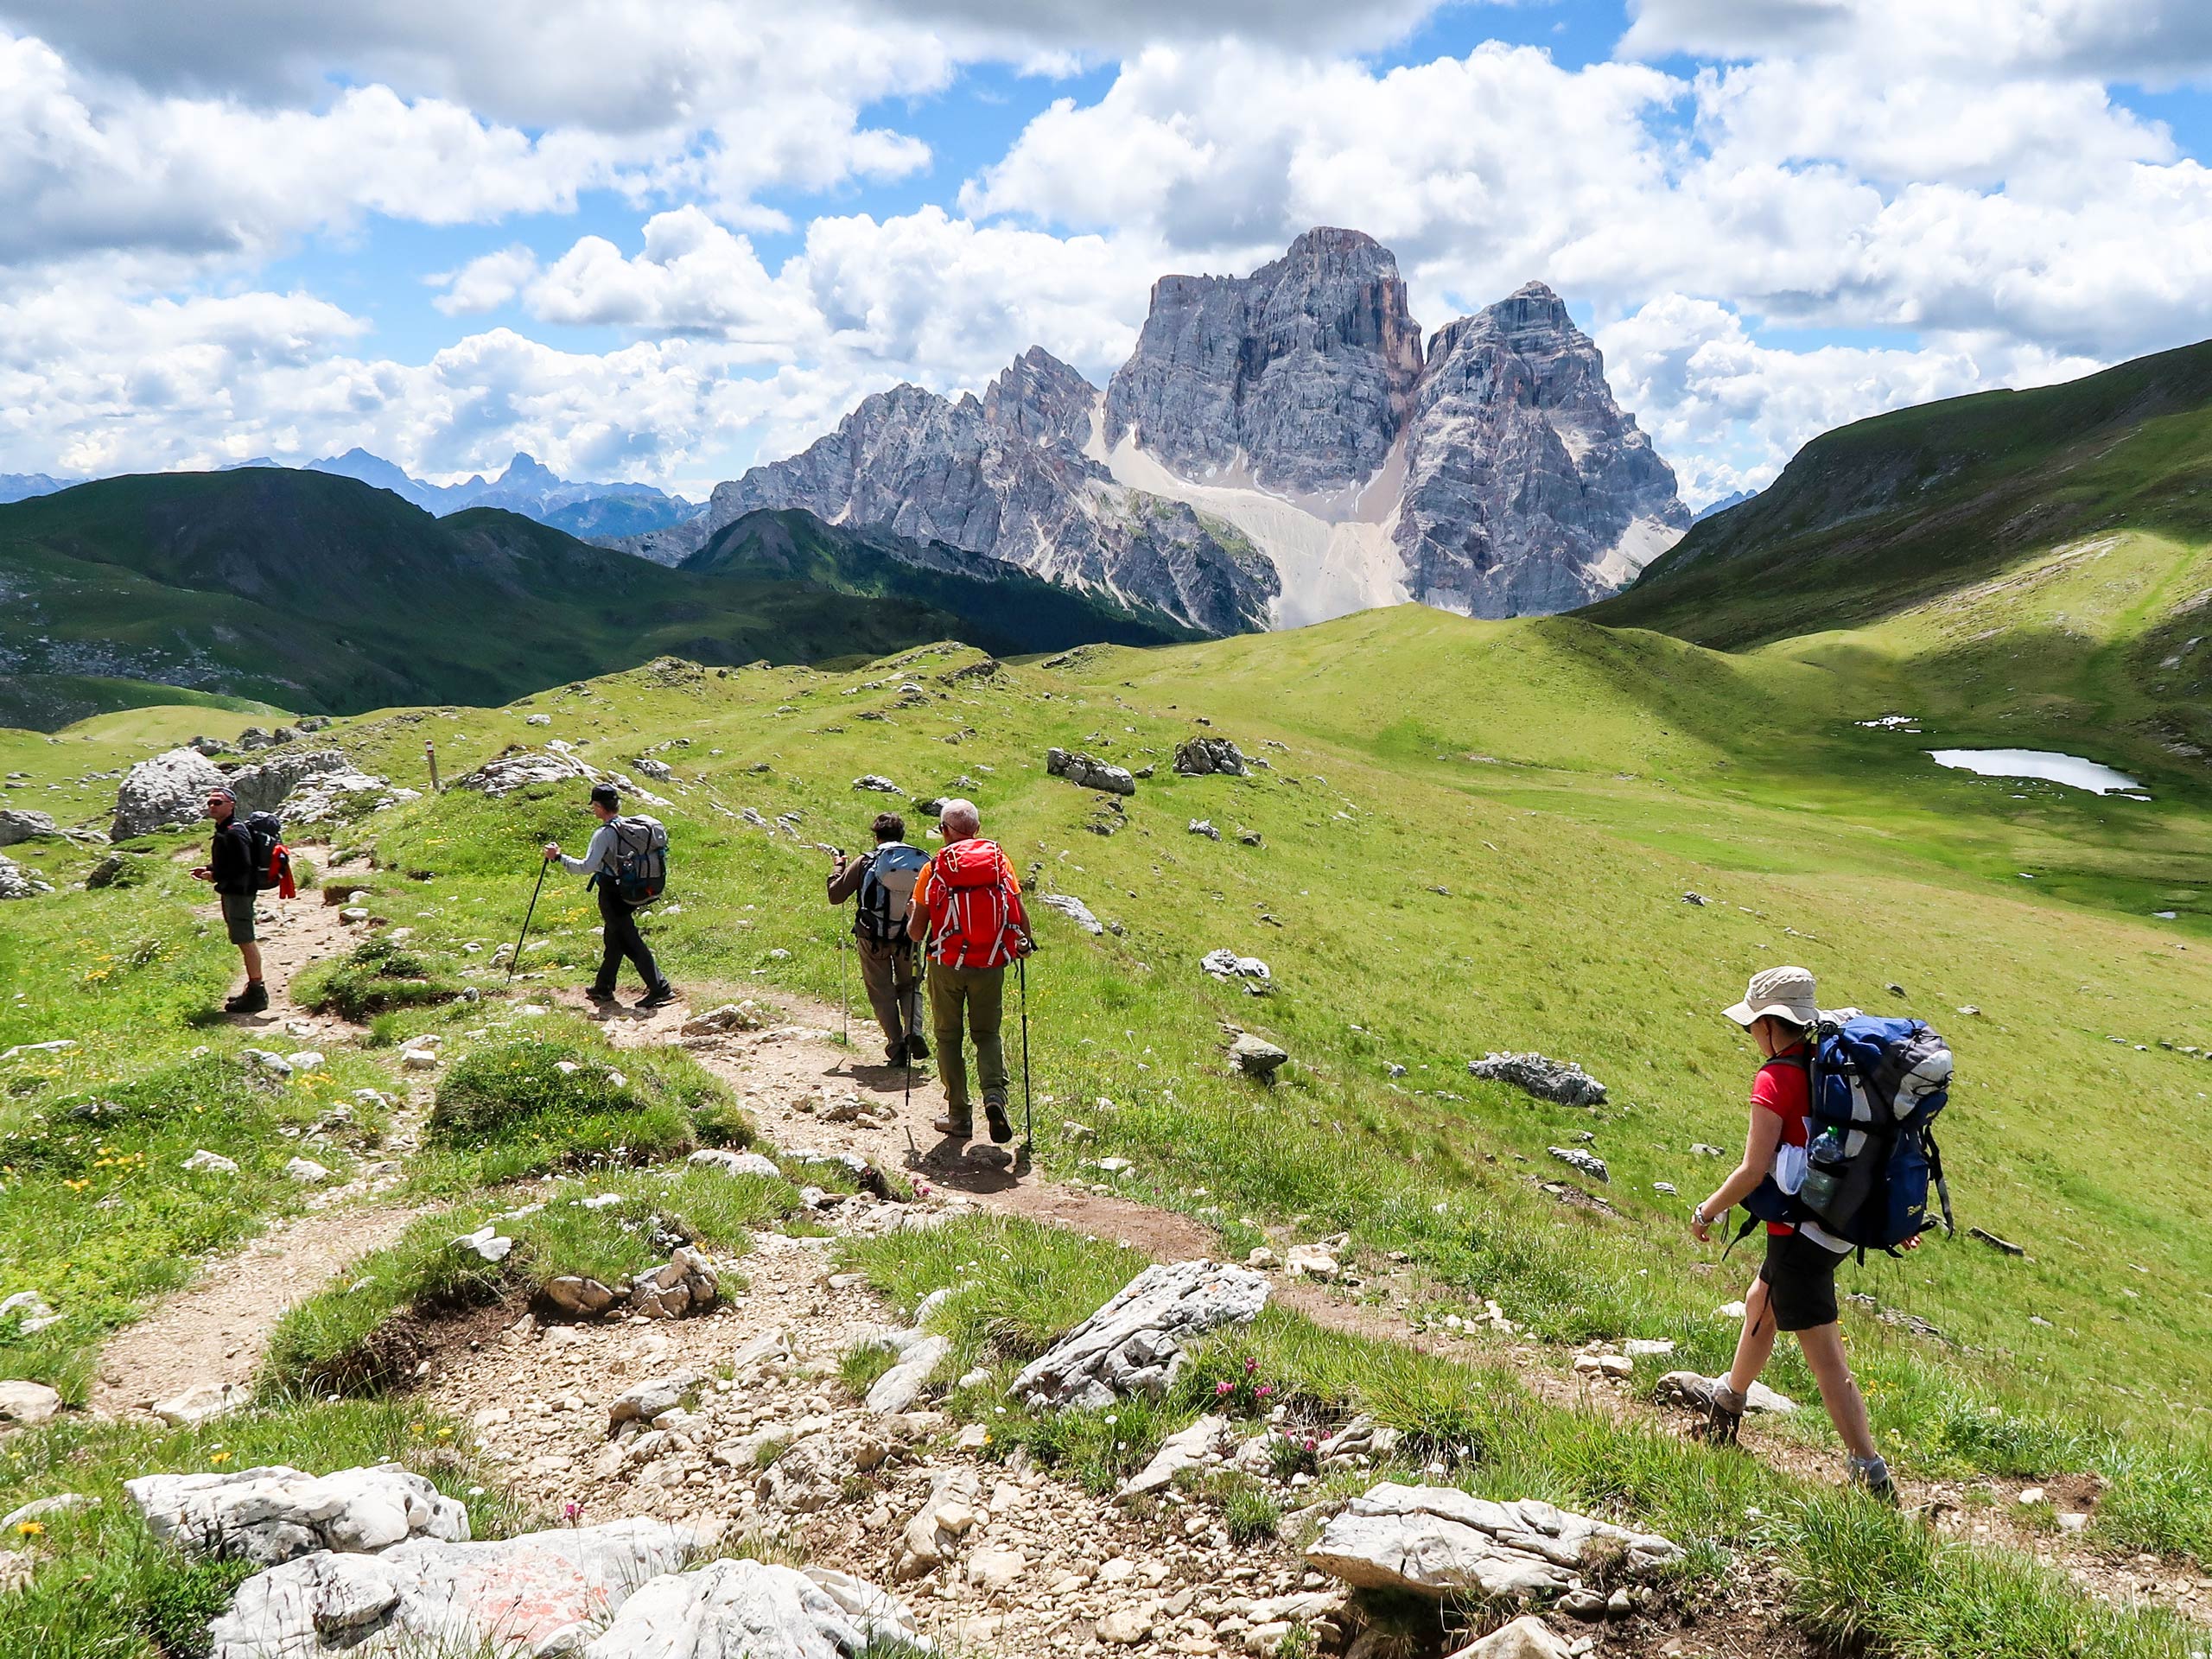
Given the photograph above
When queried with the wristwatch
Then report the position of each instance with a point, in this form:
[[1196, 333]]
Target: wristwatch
[[1698, 1218]]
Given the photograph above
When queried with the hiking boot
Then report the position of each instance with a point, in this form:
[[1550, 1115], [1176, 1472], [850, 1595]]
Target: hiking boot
[[916, 1048], [959, 1129], [1871, 1477], [895, 1055], [659, 997], [600, 993], [1724, 1414], [252, 999], [994, 1114]]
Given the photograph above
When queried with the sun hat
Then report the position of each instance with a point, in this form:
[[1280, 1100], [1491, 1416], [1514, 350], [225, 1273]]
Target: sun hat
[[1786, 993]]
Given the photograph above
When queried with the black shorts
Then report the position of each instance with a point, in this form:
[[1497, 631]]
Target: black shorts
[[1800, 1279]]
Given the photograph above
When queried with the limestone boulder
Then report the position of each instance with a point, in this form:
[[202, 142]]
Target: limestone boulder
[[1133, 1343], [1561, 1082], [1439, 1540], [276, 1513], [1087, 772], [170, 788], [752, 1610], [1203, 757]]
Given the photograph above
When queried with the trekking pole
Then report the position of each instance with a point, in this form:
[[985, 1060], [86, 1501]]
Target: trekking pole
[[515, 961], [845, 990], [1028, 1113]]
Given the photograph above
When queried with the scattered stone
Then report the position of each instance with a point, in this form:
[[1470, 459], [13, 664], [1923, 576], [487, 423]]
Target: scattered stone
[[486, 1244], [18, 825], [1439, 1540], [1647, 1347], [1262, 1257], [27, 1403], [1133, 1344], [1699, 1149], [1995, 1243], [1256, 1058], [113, 869], [740, 1609], [747, 1015], [1697, 898], [1250, 838], [306, 1170], [30, 1311], [200, 1405], [39, 1507], [1560, 1081], [1694, 1390], [1206, 756], [542, 1593], [1529, 1636], [1210, 1436], [1588, 1162], [685, 1284], [648, 1400], [1312, 1262], [736, 1163], [585, 1297], [1074, 909], [1090, 772], [538, 720], [275, 1513], [1227, 965], [920, 1352], [1605, 1364], [204, 1162], [418, 1059], [880, 786]]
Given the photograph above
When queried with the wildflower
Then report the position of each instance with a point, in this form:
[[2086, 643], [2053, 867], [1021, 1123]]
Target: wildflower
[[1251, 1365], [1220, 1389], [30, 1529], [220, 1457], [1263, 1390], [572, 1512]]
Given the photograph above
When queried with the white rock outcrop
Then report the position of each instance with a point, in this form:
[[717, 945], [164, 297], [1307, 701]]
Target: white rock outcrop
[[752, 1609], [1134, 1344], [1439, 1540], [275, 1513], [171, 788]]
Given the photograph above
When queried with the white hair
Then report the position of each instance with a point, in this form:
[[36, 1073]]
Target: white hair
[[959, 819]]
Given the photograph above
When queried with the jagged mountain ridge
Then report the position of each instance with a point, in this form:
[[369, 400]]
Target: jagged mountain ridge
[[1279, 449], [594, 512], [1007, 476]]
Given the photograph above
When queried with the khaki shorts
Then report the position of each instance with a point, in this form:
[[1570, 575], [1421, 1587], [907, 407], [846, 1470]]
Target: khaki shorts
[[238, 916]]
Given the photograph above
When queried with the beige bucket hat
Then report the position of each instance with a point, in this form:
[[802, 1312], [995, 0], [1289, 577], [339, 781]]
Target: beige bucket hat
[[1785, 992]]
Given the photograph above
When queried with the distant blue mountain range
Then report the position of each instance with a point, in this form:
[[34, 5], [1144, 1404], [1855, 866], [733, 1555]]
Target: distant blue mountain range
[[592, 512], [1735, 499]]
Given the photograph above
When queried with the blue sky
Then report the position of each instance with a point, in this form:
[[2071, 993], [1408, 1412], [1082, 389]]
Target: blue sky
[[661, 240]]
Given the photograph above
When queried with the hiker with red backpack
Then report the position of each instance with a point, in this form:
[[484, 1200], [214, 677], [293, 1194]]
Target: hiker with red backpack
[[245, 861], [883, 881], [968, 901], [1839, 1156]]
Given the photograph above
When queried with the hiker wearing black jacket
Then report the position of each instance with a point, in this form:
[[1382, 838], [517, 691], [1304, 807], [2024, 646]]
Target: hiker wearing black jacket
[[888, 971], [618, 921], [229, 871]]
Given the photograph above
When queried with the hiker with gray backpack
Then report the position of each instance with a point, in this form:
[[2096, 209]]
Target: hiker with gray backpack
[[882, 880], [1840, 1156], [627, 862]]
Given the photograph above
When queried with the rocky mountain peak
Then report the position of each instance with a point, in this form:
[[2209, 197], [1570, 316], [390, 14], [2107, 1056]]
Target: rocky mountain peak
[[1295, 378], [1041, 399]]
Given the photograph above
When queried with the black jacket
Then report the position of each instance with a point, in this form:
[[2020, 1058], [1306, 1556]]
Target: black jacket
[[230, 860]]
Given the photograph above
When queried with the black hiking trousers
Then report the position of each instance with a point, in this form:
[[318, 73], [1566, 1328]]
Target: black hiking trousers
[[620, 924]]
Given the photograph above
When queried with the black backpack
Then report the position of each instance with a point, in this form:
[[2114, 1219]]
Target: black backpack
[[640, 859], [886, 894], [272, 862]]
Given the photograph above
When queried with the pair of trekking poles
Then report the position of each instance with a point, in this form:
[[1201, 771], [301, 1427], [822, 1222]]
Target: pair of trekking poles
[[1021, 977]]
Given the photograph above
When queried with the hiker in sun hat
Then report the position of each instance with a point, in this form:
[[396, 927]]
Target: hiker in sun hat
[[883, 882], [1796, 1287], [969, 901]]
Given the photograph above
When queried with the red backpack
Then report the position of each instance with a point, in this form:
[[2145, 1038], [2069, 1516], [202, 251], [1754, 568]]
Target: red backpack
[[976, 915]]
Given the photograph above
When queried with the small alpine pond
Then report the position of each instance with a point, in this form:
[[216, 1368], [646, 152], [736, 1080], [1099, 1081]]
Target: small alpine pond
[[2052, 767]]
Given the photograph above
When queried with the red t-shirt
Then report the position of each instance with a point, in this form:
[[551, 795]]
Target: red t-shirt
[[1783, 1089]]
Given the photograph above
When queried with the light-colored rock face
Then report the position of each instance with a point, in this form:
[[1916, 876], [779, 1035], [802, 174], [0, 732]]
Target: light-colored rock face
[[1133, 1343], [1527, 489], [27, 1403], [1297, 377], [171, 788], [18, 825], [541, 1593], [1439, 1540], [1006, 475], [750, 1610], [275, 1513]]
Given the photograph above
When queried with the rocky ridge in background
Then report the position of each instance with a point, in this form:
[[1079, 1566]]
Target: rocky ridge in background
[[1279, 449], [1005, 475]]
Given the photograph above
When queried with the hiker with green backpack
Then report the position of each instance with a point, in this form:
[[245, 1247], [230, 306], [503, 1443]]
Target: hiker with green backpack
[[627, 862], [1839, 1157], [882, 880]]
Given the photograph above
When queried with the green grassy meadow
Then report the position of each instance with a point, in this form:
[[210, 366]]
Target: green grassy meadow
[[1470, 836]]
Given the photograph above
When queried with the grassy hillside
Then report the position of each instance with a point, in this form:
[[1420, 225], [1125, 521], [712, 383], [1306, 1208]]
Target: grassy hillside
[[46, 702], [1004, 608], [1468, 837], [321, 594]]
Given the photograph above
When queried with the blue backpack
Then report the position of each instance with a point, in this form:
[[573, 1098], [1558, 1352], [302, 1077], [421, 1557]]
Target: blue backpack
[[1872, 1162]]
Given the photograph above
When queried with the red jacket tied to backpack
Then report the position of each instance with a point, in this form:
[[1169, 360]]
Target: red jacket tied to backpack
[[971, 900]]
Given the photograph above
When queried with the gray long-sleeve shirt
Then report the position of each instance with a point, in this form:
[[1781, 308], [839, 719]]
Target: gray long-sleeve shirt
[[599, 856]]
